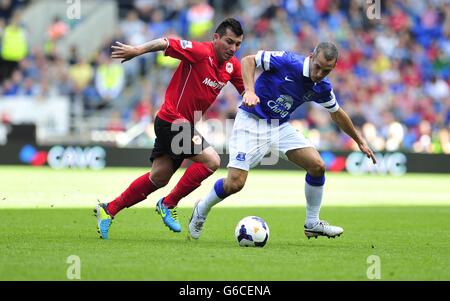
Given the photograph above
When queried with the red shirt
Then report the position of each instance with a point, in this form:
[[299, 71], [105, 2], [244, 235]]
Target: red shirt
[[197, 81]]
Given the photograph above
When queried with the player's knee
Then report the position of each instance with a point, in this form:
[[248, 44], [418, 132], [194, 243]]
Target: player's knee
[[318, 169], [214, 162], [159, 180], [234, 186]]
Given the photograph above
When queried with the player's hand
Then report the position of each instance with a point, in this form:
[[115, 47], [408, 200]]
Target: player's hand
[[250, 99], [124, 52], [366, 150]]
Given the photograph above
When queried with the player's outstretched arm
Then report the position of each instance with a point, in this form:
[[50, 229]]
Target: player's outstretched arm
[[345, 123], [128, 52], [248, 64]]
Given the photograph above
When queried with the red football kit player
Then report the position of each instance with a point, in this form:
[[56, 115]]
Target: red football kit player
[[205, 68]]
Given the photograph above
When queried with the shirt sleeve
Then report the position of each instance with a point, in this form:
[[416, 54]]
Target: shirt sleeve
[[236, 79], [270, 60], [329, 101], [184, 50]]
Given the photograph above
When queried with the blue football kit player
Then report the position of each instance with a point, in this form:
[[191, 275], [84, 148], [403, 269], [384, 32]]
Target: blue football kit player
[[261, 126]]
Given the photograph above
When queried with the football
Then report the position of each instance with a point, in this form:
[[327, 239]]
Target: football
[[252, 231]]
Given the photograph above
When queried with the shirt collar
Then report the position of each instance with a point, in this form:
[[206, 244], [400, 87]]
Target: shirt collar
[[306, 67], [212, 57]]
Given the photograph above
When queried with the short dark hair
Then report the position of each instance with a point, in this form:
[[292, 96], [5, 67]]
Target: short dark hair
[[329, 50], [232, 24]]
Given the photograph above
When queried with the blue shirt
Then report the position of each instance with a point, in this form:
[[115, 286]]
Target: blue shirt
[[285, 84]]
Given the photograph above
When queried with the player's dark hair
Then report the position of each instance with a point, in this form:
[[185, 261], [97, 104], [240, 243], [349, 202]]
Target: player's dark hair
[[232, 24], [328, 49]]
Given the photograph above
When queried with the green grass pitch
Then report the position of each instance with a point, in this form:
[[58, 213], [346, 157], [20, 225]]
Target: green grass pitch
[[46, 216]]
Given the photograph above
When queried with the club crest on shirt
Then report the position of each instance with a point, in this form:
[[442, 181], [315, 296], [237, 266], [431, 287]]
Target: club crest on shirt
[[197, 140], [229, 67], [186, 44], [240, 156]]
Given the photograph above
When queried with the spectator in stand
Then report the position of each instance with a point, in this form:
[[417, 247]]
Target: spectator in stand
[[200, 17], [14, 47], [6, 9], [81, 74], [57, 30], [115, 123], [109, 79]]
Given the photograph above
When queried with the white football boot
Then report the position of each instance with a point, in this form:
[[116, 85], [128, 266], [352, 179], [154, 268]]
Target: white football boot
[[196, 223], [322, 228]]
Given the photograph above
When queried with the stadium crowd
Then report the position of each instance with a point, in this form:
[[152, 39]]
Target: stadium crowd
[[392, 77]]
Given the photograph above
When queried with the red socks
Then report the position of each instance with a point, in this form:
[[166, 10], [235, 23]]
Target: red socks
[[143, 186], [135, 193], [192, 178]]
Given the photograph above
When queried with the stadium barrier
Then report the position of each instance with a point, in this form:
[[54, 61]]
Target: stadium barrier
[[98, 157], [51, 115]]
